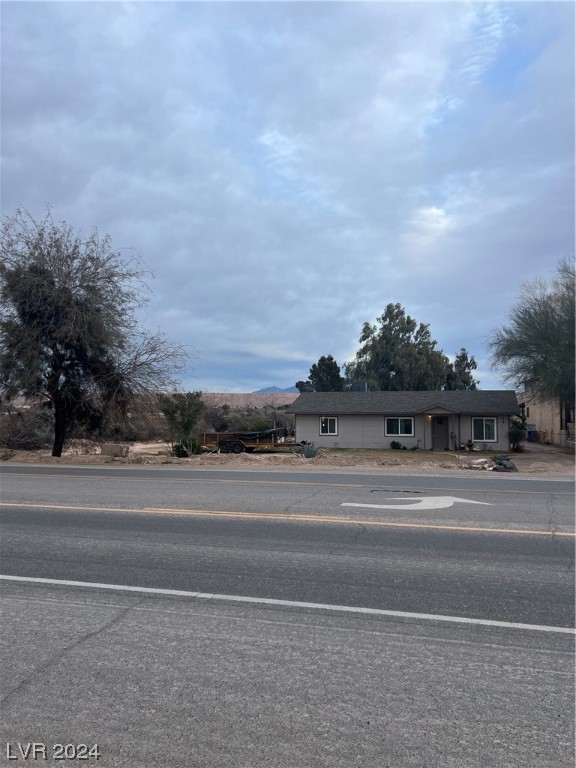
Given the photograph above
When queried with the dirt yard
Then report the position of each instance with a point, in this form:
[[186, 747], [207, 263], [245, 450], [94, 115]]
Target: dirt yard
[[536, 460]]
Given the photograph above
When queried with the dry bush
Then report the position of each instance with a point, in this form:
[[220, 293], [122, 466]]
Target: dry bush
[[224, 418], [27, 428], [142, 424]]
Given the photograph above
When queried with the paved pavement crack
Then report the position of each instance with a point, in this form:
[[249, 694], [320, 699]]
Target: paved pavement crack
[[39, 670], [294, 506], [360, 531], [393, 490]]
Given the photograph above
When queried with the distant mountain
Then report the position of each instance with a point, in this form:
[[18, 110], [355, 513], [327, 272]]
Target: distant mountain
[[275, 391]]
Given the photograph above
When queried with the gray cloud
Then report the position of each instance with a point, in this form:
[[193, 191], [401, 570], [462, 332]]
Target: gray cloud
[[286, 170]]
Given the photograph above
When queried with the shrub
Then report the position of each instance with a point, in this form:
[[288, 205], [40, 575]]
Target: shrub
[[310, 451], [189, 446], [517, 434], [25, 429], [182, 412], [138, 426], [395, 445]]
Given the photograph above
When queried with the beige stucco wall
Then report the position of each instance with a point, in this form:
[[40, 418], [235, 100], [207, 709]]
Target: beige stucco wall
[[546, 418], [368, 431], [354, 432], [554, 422]]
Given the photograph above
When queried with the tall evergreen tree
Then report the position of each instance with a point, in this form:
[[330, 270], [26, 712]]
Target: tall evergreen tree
[[324, 377], [459, 374], [397, 353]]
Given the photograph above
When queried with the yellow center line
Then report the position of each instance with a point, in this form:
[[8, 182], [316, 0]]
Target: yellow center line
[[187, 480], [285, 517], [236, 481]]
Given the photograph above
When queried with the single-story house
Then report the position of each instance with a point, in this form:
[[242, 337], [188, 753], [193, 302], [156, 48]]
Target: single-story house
[[425, 420]]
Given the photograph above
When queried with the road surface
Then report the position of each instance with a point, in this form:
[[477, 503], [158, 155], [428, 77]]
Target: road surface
[[216, 618]]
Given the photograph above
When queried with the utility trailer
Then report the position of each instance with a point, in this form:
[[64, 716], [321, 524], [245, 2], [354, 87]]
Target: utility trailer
[[238, 442]]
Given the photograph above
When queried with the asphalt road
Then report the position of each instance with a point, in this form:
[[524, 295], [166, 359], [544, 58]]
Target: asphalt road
[[505, 501], [262, 623]]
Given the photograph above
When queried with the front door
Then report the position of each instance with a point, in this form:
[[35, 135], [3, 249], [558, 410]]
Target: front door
[[440, 433]]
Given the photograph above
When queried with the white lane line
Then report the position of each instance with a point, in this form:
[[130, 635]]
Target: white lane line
[[293, 604]]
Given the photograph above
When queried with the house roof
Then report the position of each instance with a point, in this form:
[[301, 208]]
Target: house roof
[[478, 402]]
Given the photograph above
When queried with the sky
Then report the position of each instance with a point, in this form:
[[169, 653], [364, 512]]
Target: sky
[[287, 169]]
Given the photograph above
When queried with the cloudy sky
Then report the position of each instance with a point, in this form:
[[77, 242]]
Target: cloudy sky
[[288, 169]]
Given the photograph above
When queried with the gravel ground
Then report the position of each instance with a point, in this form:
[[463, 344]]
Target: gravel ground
[[537, 460]]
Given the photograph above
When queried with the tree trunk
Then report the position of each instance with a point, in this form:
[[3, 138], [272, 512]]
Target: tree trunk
[[60, 427]]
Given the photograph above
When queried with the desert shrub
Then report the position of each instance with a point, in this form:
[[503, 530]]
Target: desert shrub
[[138, 427], [310, 451], [25, 429], [259, 424], [224, 418], [188, 447], [183, 411], [142, 423]]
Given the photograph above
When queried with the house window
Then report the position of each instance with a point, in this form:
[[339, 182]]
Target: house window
[[328, 425], [484, 430], [399, 427]]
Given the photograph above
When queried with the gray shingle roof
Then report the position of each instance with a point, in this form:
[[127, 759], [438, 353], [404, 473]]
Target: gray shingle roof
[[492, 402]]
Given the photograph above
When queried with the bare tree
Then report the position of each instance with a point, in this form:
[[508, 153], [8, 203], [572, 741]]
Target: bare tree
[[68, 330]]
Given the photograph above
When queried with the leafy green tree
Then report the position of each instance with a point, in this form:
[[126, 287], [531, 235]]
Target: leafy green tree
[[397, 353], [459, 374], [537, 346], [68, 331], [324, 377], [304, 386], [182, 411]]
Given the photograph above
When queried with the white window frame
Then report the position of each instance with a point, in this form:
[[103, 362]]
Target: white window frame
[[327, 432], [484, 439], [399, 433]]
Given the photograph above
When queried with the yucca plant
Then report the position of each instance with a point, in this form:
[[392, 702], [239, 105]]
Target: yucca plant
[[310, 451], [187, 447]]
